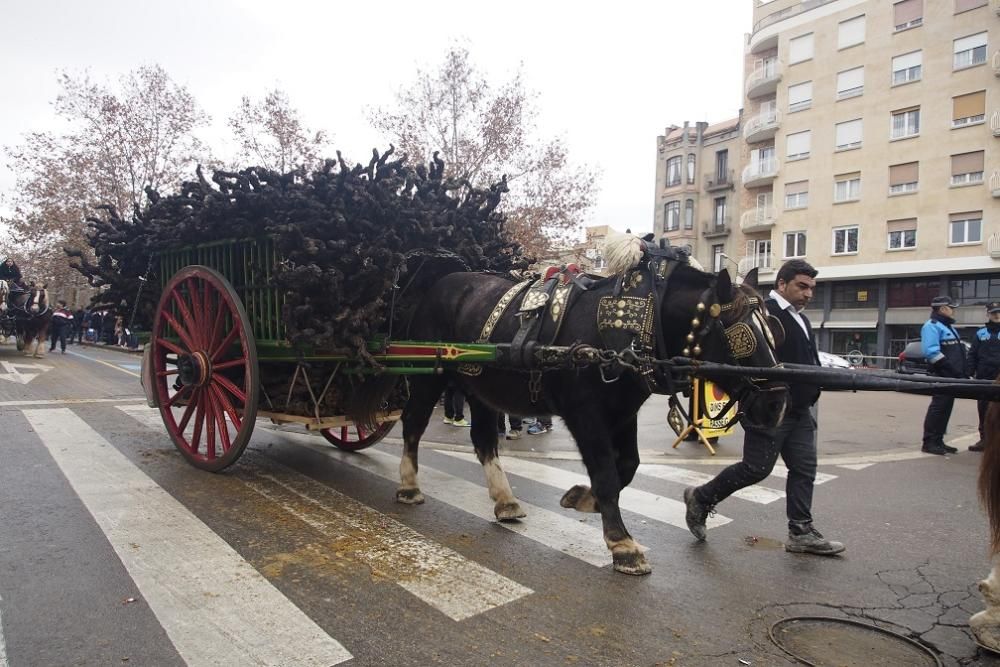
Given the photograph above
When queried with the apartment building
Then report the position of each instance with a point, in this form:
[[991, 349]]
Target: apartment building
[[869, 145]]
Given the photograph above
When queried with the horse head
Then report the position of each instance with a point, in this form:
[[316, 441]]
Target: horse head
[[731, 325], [38, 300]]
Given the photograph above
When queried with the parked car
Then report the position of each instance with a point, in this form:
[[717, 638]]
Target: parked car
[[912, 360], [828, 360]]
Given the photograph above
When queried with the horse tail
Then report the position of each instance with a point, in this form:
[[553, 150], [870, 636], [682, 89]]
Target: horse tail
[[989, 473], [369, 399]]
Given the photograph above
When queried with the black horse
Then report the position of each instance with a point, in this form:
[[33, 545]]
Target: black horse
[[699, 314], [32, 316]]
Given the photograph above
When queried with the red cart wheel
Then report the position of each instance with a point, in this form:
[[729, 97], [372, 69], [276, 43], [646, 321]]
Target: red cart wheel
[[205, 371], [355, 438]]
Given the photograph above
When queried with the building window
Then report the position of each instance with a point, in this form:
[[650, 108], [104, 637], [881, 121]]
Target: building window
[[797, 194], [689, 214], [800, 96], [966, 5], [849, 135], [970, 51], [907, 67], [966, 228], [690, 168], [845, 240], [674, 171], [672, 216], [722, 166], [902, 234], [975, 290], [719, 218], [908, 14], [795, 244], [717, 252], [905, 123], [798, 145], [854, 294], [969, 109], [912, 292], [904, 178], [850, 83], [851, 32], [967, 168], [800, 48], [847, 187]]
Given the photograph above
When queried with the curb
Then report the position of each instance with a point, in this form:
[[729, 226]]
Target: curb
[[113, 348]]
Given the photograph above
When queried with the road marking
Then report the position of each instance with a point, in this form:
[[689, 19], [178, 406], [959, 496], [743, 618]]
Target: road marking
[[782, 472], [215, 607], [68, 401], [3, 646], [647, 504], [755, 494], [14, 373], [552, 529], [441, 577], [109, 365], [856, 466]]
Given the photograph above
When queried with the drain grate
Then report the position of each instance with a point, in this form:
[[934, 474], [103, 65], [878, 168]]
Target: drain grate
[[822, 641]]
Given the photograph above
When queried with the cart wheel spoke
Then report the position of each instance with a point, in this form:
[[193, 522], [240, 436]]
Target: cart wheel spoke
[[197, 311], [162, 374], [186, 318], [227, 341], [210, 420], [182, 332], [220, 419], [176, 349], [180, 392], [364, 438], [231, 388], [226, 406], [229, 364], [189, 410]]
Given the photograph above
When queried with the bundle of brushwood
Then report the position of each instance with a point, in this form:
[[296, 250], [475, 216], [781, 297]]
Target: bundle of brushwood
[[347, 236]]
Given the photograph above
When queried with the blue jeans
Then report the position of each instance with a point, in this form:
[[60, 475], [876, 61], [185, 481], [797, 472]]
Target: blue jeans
[[795, 441]]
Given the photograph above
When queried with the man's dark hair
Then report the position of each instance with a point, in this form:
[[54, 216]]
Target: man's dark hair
[[795, 267]]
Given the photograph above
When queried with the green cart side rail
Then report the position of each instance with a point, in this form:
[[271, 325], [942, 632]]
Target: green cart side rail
[[250, 265]]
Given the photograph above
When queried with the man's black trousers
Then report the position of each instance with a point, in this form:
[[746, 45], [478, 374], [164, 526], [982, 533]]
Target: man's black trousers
[[936, 421]]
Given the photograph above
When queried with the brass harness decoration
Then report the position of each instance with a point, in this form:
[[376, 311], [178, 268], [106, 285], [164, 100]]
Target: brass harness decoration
[[742, 342], [473, 370]]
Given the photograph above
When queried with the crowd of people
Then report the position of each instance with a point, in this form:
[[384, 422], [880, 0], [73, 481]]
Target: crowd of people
[[93, 326], [454, 415]]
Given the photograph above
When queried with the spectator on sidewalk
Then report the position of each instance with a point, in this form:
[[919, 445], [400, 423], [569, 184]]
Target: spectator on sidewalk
[[542, 424], [76, 335], [515, 427], [61, 325], [454, 406]]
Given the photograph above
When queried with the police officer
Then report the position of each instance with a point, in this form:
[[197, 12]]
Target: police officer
[[984, 360], [945, 354]]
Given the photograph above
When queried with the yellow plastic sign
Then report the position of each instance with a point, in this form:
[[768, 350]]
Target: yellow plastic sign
[[713, 399]]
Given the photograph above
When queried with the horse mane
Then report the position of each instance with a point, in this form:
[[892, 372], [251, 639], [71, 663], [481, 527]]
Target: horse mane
[[989, 473]]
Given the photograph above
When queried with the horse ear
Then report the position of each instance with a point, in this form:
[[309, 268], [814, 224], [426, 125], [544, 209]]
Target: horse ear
[[724, 286], [751, 278]]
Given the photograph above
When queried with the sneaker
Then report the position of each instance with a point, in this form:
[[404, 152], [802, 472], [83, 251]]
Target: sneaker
[[812, 542], [448, 420], [538, 428], [934, 449], [978, 447], [697, 513], [460, 422], [514, 434]]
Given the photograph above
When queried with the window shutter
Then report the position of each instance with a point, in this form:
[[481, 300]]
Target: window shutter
[[906, 225], [907, 10], [968, 215], [797, 187], [851, 31], [798, 143], [849, 133], [973, 104], [852, 78], [904, 173], [800, 48], [907, 60], [970, 42], [966, 163], [800, 92], [965, 5]]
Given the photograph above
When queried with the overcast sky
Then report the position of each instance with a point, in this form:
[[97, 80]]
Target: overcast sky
[[610, 76]]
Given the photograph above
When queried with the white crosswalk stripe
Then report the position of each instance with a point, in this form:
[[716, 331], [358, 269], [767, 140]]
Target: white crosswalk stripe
[[755, 494], [3, 646], [659, 508], [215, 607], [821, 477]]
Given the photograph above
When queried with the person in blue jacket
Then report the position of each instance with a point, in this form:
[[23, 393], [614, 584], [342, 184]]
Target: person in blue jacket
[[945, 355], [984, 360]]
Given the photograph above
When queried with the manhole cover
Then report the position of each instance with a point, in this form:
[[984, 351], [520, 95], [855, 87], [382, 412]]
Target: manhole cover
[[838, 642]]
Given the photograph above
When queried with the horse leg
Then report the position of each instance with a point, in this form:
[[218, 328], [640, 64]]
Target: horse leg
[[484, 439], [626, 444], [595, 441], [40, 341], [424, 394]]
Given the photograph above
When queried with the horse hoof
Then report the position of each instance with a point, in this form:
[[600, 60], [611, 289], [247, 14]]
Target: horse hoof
[[580, 499], [631, 562], [509, 511], [409, 497]]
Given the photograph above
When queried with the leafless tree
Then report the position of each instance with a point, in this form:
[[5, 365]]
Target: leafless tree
[[483, 132], [271, 135]]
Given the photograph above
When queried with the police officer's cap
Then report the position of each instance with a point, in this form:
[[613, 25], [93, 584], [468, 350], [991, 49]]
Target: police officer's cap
[[943, 300], [993, 307]]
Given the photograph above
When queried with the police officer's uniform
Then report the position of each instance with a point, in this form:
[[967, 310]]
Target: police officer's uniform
[[945, 354], [984, 361]]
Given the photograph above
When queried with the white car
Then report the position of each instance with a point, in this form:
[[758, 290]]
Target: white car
[[828, 360]]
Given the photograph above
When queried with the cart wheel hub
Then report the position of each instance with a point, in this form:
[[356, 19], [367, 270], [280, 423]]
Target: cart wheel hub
[[194, 369]]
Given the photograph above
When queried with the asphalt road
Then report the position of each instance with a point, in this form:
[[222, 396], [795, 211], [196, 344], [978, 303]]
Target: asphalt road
[[114, 551]]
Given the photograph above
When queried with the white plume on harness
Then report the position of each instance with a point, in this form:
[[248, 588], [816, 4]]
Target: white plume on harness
[[624, 252]]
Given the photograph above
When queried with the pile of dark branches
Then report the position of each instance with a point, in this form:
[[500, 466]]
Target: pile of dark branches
[[347, 235]]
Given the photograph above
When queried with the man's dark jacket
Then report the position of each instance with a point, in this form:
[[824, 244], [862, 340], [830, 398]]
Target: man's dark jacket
[[797, 349], [984, 356]]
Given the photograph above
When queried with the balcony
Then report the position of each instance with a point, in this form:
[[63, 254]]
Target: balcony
[[760, 173], [995, 183], [762, 127], [763, 264], [718, 227], [764, 79], [716, 181], [993, 246], [995, 123], [996, 62], [758, 219]]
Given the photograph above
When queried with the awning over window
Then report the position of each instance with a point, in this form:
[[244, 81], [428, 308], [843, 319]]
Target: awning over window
[[853, 324]]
